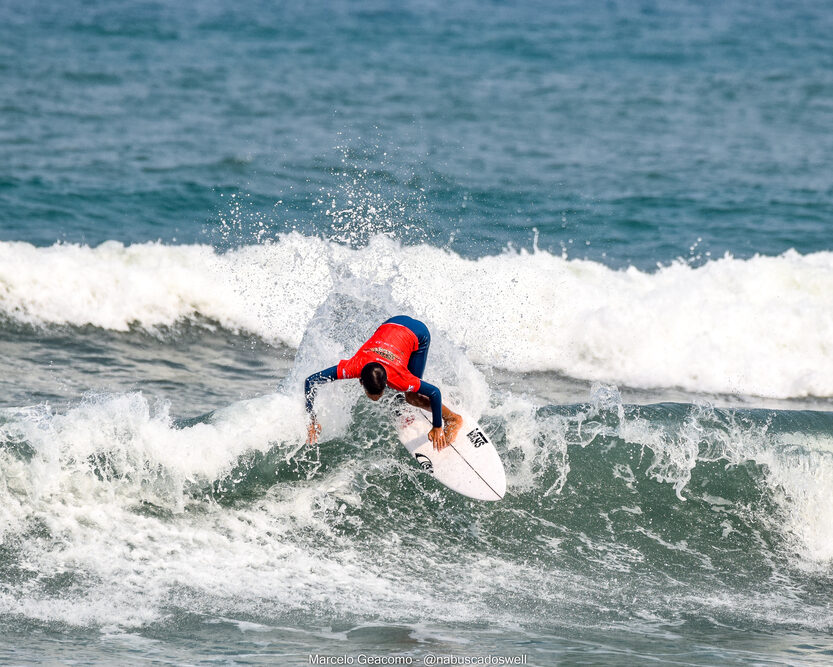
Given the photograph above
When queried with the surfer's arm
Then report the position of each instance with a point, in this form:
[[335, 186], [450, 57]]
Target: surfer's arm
[[435, 398], [429, 397], [311, 386]]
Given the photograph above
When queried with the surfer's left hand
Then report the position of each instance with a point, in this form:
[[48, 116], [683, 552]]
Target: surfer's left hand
[[313, 431], [437, 436]]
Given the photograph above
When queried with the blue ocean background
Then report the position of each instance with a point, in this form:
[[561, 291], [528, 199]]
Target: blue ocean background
[[630, 129], [615, 217]]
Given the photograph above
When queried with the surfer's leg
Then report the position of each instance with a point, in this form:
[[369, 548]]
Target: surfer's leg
[[418, 358], [452, 424], [418, 400]]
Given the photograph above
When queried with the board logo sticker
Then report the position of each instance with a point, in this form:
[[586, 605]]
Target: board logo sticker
[[425, 462], [477, 437]]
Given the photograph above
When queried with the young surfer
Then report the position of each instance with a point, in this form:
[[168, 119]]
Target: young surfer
[[395, 357]]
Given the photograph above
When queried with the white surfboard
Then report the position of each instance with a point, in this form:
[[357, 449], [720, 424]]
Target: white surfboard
[[470, 465]]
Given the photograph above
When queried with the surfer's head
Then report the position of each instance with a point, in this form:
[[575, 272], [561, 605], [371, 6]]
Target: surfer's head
[[374, 378]]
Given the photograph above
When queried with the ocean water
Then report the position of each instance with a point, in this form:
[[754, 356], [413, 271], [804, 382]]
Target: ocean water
[[616, 219]]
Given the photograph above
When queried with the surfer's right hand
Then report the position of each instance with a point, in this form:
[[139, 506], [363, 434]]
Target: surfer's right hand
[[437, 436], [313, 431]]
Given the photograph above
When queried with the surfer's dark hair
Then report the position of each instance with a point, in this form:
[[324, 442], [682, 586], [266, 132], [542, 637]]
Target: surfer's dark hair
[[374, 378]]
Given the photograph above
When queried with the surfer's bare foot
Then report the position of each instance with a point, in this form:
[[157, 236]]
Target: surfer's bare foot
[[453, 424]]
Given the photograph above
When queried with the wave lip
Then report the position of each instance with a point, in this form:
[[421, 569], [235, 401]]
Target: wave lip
[[760, 326]]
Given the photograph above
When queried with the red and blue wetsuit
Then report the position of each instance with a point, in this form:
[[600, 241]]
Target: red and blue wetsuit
[[401, 346]]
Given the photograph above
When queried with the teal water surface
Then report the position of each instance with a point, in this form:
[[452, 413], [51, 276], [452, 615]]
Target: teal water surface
[[626, 131], [615, 219]]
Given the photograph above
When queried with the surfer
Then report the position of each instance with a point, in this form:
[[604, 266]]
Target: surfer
[[394, 356]]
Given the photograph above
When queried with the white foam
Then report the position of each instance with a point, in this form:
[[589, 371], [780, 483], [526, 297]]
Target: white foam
[[87, 471], [72, 502], [284, 551], [760, 326]]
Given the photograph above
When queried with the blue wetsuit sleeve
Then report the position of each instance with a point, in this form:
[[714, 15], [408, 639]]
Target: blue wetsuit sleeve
[[436, 399], [312, 382]]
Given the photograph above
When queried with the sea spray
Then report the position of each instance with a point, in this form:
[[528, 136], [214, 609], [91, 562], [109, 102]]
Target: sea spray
[[759, 326]]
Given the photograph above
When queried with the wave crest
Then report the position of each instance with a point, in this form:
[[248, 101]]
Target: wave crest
[[760, 326]]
